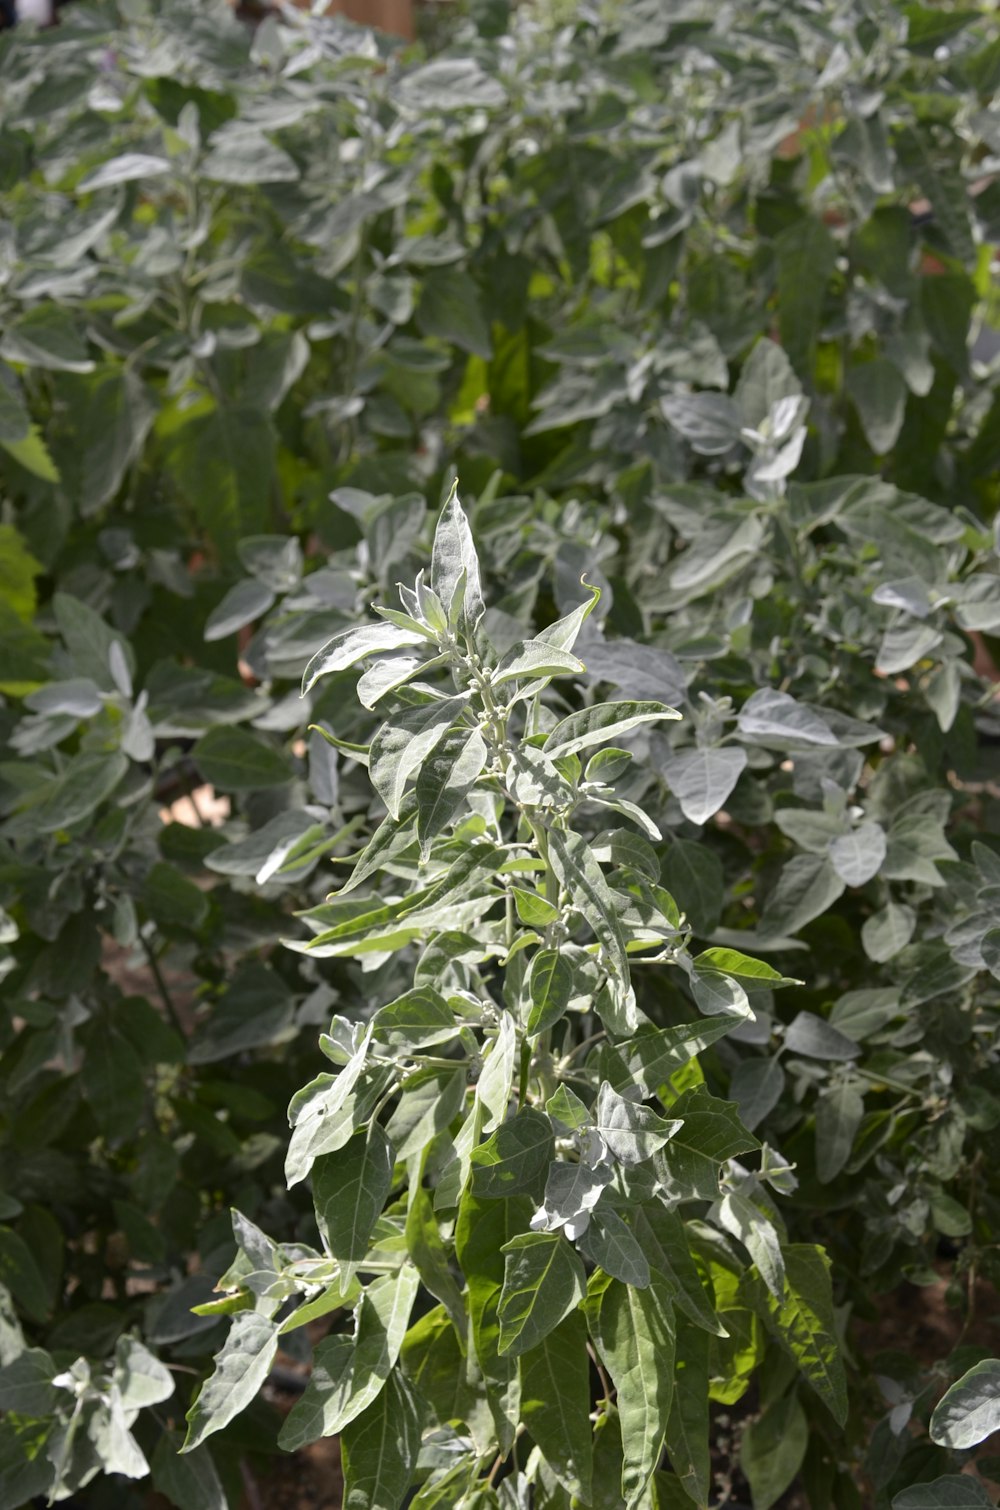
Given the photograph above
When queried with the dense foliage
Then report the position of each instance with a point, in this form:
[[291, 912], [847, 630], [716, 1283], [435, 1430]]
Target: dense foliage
[[698, 302]]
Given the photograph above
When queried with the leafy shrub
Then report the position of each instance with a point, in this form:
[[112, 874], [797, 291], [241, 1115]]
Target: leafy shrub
[[693, 304]]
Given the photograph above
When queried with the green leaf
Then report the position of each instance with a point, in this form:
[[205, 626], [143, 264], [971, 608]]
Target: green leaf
[[663, 1237], [839, 1111], [380, 1449], [26, 1384], [481, 1232], [710, 1132], [600, 724], [688, 1425], [401, 746], [709, 422], [610, 1245], [223, 463], [955, 1491], [357, 643], [85, 783], [802, 1320], [551, 987], [634, 1333], [240, 1370], [126, 168], [543, 1282], [46, 336], [113, 1084], [743, 966], [191, 1480], [21, 1275], [242, 604], [879, 395], [418, 1019], [693, 875], [969, 1410], [807, 887], [579, 873], [772, 1448], [349, 1190], [888, 931], [945, 192], [348, 1373], [427, 1249], [445, 780], [555, 1402], [806, 254], [529, 659], [235, 760], [455, 564], [515, 1159]]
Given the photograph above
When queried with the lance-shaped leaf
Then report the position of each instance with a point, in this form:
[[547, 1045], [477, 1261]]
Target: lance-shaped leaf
[[632, 1132], [482, 1230], [551, 987], [455, 565], [543, 1281], [649, 1059], [428, 1251], [348, 646], [380, 1449], [746, 1222], [802, 1320], [663, 1237], [240, 1370], [401, 746], [601, 724], [563, 633], [688, 1425], [533, 658], [345, 1379], [634, 1333], [349, 1191], [555, 1403], [580, 875], [772, 1449], [445, 780], [515, 1159]]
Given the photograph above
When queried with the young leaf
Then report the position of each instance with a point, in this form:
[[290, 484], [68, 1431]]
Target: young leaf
[[455, 565], [600, 724], [402, 745], [348, 646]]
